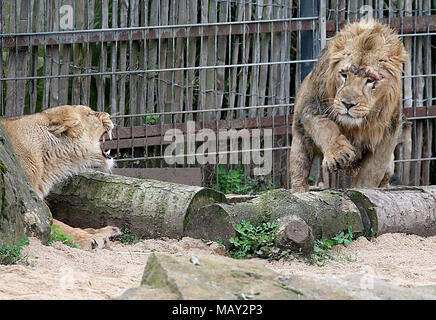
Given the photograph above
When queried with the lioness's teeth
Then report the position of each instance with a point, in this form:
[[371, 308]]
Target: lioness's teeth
[[103, 139], [110, 134]]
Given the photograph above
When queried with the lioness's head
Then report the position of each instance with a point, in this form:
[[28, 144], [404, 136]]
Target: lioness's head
[[79, 130], [364, 74]]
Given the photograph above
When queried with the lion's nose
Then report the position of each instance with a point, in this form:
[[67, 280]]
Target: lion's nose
[[348, 103]]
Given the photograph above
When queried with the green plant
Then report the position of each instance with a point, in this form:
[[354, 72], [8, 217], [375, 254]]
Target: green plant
[[220, 243], [234, 181], [128, 237], [150, 120], [11, 253], [322, 247], [57, 235], [257, 241]]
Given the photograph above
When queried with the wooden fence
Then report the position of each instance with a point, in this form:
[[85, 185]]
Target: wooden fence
[[155, 64]]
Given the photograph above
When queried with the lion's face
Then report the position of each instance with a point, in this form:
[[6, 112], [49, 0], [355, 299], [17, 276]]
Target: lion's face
[[357, 95], [364, 75], [80, 129]]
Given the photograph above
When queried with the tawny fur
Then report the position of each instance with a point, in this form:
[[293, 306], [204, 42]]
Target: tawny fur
[[57, 143], [348, 109]]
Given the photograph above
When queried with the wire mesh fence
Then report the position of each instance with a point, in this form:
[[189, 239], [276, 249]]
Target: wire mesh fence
[[203, 87]]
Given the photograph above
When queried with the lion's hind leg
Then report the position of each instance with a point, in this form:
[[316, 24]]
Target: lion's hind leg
[[88, 239], [301, 158]]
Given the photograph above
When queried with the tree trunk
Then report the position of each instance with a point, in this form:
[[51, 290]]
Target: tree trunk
[[324, 214], [303, 218], [22, 212], [149, 208], [152, 208]]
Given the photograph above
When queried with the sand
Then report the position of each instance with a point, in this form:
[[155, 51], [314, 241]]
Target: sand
[[61, 272]]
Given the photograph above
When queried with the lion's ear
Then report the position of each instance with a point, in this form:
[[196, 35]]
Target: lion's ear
[[70, 126]]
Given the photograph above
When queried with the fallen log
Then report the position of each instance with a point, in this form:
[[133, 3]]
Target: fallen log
[[149, 208], [153, 209], [398, 210], [303, 218]]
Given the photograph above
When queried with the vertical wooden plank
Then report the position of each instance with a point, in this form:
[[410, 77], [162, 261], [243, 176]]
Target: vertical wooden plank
[[428, 124], [152, 59], [223, 16], [243, 77], [254, 75], [114, 63], [235, 60], [419, 97], [353, 9], [264, 56], [180, 61], [19, 58], [53, 53], [133, 64], [142, 90], [170, 62], [124, 11], [203, 58], [80, 86], [164, 52], [3, 14], [46, 82], [65, 66], [274, 76], [211, 61], [101, 80], [407, 84], [191, 58], [11, 85]]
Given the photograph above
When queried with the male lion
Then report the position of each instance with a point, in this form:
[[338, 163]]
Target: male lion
[[57, 143], [348, 109]]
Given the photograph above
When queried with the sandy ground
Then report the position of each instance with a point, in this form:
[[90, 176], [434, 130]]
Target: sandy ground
[[61, 272]]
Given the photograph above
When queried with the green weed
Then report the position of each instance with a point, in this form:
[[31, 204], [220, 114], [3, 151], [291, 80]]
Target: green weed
[[322, 247], [257, 241], [11, 254], [234, 181], [128, 237]]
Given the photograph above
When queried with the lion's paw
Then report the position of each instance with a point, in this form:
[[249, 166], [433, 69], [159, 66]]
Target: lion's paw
[[339, 155]]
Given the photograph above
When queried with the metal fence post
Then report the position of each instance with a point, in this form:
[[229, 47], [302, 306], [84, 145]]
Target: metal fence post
[[309, 42]]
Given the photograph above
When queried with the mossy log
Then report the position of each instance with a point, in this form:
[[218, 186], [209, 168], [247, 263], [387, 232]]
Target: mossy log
[[149, 208], [303, 218]]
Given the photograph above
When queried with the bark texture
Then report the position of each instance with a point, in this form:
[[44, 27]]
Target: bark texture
[[149, 208], [22, 212]]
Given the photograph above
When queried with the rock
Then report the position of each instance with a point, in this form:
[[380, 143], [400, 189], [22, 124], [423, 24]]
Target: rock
[[22, 211], [219, 278]]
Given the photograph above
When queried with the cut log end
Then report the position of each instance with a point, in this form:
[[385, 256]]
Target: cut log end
[[294, 233]]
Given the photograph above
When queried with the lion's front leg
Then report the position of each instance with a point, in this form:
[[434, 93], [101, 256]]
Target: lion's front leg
[[337, 150]]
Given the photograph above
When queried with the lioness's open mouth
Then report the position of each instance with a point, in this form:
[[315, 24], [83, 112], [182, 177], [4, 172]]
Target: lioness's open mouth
[[106, 154]]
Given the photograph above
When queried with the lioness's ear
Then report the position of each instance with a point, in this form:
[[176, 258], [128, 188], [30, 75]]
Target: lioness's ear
[[70, 126]]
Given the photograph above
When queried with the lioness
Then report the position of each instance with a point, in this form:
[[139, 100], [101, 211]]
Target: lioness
[[348, 109], [57, 143]]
